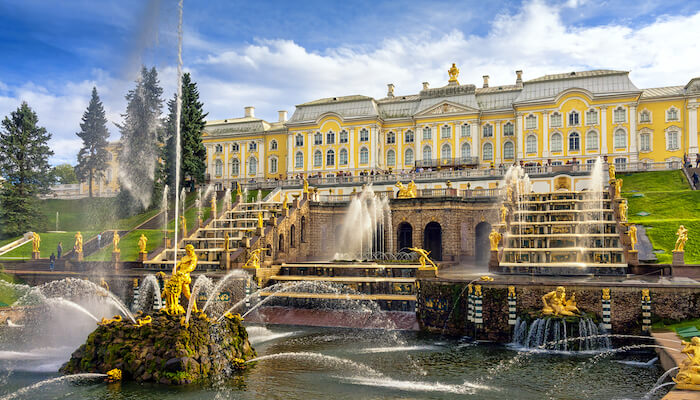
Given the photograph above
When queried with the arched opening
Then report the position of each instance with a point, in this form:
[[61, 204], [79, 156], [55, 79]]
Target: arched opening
[[292, 230], [302, 230], [280, 243], [482, 246], [405, 237], [432, 240]]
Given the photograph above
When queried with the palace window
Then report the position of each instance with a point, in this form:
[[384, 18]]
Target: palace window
[[364, 156], [574, 142], [391, 158], [330, 137], [488, 151], [620, 164], [620, 139], [591, 117], [446, 151], [672, 140], [318, 138], [573, 118], [219, 148], [556, 142], [672, 114], [508, 151], [487, 131], [390, 138], [235, 167], [619, 115], [530, 122], [446, 132], [427, 153], [592, 141], [466, 130], [252, 166], [343, 157], [234, 148], [645, 117], [408, 157], [555, 120], [299, 140], [273, 145], [219, 168], [343, 136], [299, 160], [408, 137], [645, 141], [531, 144], [273, 165], [318, 158], [330, 158], [252, 146], [466, 150], [427, 133], [508, 129], [364, 135]]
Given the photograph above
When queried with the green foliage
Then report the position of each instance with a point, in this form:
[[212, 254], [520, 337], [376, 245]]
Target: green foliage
[[93, 156], [24, 163], [65, 174]]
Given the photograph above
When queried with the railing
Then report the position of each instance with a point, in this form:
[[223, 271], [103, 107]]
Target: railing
[[447, 162]]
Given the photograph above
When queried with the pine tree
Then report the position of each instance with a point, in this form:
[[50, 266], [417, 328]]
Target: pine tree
[[93, 157], [24, 164]]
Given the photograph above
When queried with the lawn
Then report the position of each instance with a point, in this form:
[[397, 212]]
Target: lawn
[[7, 295], [661, 326], [655, 181], [88, 214], [129, 245], [49, 242]]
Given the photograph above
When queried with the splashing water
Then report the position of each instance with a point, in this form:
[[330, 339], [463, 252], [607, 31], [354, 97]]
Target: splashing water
[[363, 230], [50, 381]]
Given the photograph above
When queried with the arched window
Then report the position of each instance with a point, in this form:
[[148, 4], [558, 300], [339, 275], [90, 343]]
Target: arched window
[[364, 156], [531, 144], [408, 157], [645, 141], [446, 132], [364, 135], [574, 118], [343, 136], [235, 167], [299, 160], [672, 140], [466, 150], [487, 130], [446, 151], [252, 146], [427, 133], [391, 158], [488, 151], [619, 115], [234, 147], [408, 137], [555, 120], [318, 158], [530, 122], [273, 165], [574, 142], [302, 230], [427, 153], [330, 158], [591, 117], [273, 145], [508, 151], [620, 139], [292, 233], [508, 129], [219, 168], [390, 138], [280, 243], [252, 166], [672, 114], [330, 137], [466, 130], [592, 140], [343, 157], [299, 140], [556, 142], [645, 117], [318, 138], [219, 148]]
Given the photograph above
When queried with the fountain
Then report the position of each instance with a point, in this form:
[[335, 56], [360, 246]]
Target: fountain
[[363, 230]]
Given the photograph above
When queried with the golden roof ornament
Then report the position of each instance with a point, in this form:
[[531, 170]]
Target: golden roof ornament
[[454, 73]]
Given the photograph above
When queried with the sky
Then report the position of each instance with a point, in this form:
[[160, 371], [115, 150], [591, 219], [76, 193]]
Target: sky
[[275, 54]]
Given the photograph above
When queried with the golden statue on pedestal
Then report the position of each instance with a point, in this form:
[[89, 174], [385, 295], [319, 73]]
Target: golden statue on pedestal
[[618, 188], [623, 211], [306, 186], [115, 242], [504, 214], [453, 72], [406, 192], [142, 243], [285, 203], [254, 260], [682, 234], [509, 193], [213, 204], [239, 192], [36, 242], [555, 303], [611, 172], [179, 283], [227, 244], [78, 246], [424, 259], [495, 238], [688, 377], [606, 294], [260, 220], [632, 232], [183, 225]]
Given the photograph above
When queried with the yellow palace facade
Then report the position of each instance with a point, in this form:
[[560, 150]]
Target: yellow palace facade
[[554, 119]]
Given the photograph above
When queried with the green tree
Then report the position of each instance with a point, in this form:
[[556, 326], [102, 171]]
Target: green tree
[[193, 154], [65, 174], [24, 164], [93, 156]]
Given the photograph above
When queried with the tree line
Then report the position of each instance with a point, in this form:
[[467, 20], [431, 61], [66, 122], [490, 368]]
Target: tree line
[[146, 134]]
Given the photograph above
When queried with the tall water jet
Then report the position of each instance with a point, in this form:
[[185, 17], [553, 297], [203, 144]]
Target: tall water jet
[[183, 196], [164, 211], [178, 115], [362, 231], [227, 199]]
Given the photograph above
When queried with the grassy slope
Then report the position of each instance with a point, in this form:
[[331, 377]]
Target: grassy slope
[[7, 295], [129, 245], [49, 242], [670, 202]]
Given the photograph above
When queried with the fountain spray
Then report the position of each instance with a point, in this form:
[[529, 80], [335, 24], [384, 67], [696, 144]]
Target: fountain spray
[[178, 115]]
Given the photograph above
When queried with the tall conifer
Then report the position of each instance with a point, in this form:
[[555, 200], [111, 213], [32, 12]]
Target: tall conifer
[[93, 156]]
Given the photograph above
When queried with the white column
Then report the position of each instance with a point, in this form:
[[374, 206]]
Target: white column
[[261, 161], [243, 170], [310, 151], [417, 139], [692, 130], [497, 151], [290, 153], [634, 155], [351, 155], [604, 131], [545, 135], [455, 141], [399, 149], [225, 172], [476, 145], [436, 132], [519, 141], [373, 138]]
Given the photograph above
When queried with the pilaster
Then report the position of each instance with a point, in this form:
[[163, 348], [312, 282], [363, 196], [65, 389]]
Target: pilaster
[[519, 122], [290, 153], [545, 135], [692, 129], [497, 151], [634, 137], [261, 158], [604, 131], [476, 146]]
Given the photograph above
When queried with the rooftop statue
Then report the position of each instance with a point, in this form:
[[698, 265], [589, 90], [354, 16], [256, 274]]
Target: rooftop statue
[[424, 259], [115, 242], [454, 73], [36, 242], [682, 234], [78, 246], [623, 211], [495, 238], [504, 214], [632, 232], [688, 376], [555, 303], [142, 243], [179, 283], [254, 260]]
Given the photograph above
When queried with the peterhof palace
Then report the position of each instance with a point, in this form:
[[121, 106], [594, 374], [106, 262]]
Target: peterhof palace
[[568, 118]]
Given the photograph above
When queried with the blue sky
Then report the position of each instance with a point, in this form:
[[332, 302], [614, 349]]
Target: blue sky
[[273, 55]]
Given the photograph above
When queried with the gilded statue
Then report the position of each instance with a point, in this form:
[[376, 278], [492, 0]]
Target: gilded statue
[[632, 232], [105, 321], [114, 375], [285, 203], [172, 289], [623, 211], [306, 186], [260, 220], [611, 172], [511, 291], [424, 259], [495, 238], [254, 260], [454, 73], [179, 283], [36, 242], [142, 243], [682, 234], [486, 278], [448, 184], [509, 193], [688, 376], [213, 204], [78, 246], [504, 213], [115, 242], [407, 192], [606, 294], [227, 243], [645, 295], [183, 225], [555, 303], [618, 188], [477, 290], [239, 192], [143, 321]]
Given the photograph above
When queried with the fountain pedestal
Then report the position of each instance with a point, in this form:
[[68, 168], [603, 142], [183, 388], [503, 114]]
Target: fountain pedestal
[[678, 258], [143, 257], [115, 256], [423, 273], [225, 261], [35, 255], [79, 255], [493, 261], [200, 223], [633, 257]]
